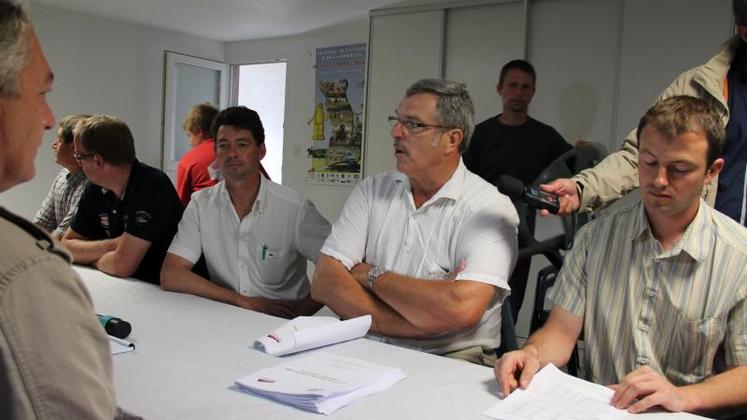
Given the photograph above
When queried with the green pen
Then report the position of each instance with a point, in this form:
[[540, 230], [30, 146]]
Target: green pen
[[264, 251]]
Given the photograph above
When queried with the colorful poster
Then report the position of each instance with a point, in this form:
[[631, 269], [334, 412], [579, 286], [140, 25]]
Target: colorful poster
[[336, 124]]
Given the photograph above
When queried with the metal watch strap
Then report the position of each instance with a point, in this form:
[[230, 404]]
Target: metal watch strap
[[374, 275]]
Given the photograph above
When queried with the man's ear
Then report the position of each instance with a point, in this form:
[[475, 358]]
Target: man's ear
[[98, 160], [262, 151], [714, 170], [455, 138]]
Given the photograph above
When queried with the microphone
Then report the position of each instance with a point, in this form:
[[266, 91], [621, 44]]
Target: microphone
[[512, 187], [533, 196], [114, 326]]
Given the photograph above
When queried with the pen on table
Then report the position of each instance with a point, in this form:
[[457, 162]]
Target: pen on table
[[264, 251], [121, 342]]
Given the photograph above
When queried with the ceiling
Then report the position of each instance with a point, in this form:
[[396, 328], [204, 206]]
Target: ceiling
[[227, 20]]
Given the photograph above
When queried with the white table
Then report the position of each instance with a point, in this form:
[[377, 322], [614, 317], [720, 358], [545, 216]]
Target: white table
[[190, 350]]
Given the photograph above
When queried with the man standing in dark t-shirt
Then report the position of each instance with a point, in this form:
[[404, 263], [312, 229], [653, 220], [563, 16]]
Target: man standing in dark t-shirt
[[129, 213], [513, 143]]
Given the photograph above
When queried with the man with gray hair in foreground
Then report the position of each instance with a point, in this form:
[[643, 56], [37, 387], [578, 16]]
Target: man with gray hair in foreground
[[54, 355], [427, 249]]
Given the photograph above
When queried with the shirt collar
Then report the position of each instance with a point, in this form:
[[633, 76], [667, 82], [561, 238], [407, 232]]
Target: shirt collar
[[75, 177], [135, 170], [695, 241], [259, 203], [452, 190]]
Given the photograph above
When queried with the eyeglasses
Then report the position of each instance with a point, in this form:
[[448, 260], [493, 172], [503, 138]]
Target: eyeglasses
[[84, 156], [412, 126]]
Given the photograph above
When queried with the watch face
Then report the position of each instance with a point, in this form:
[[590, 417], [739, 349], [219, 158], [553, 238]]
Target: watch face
[[374, 274]]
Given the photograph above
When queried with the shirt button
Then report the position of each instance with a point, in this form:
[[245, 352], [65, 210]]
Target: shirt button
[[644, 328], [651, 293], [642, 360]]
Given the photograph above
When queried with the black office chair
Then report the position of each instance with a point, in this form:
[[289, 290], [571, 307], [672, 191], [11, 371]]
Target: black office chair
[[508, 330], [565, 166]]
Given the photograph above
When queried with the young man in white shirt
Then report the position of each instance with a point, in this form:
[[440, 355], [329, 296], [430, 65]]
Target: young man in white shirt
[[255, 235]]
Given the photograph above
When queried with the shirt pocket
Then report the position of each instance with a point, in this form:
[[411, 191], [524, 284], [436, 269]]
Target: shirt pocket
[[433, 271], [274, 261], [687, 347]]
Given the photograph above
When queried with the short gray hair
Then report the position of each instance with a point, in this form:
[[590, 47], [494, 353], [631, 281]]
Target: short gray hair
[[454, 107], [15, 28]]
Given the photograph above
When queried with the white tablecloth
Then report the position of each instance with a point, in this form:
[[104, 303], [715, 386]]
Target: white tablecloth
[[189, 351]]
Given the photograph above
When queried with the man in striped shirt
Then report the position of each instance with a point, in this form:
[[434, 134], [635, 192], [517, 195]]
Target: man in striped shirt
[[659, 287]]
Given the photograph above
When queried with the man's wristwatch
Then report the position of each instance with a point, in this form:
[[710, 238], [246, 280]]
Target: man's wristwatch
[[374, 275]]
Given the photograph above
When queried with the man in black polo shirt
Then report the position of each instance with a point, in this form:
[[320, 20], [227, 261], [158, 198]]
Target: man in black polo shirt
[[513, 143], [129, 213]]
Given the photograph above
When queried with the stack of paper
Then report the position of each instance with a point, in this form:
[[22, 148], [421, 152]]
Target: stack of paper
[[309, 332], [553, 394], [322, 382]]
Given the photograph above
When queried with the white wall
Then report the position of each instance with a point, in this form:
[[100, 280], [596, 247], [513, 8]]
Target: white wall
[[299, 51], [104, 66]]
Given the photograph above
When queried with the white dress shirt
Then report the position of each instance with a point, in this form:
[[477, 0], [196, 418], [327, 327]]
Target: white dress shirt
[[262, 255], [467, 219]]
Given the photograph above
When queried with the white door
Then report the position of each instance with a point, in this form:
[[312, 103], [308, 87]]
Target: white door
[[189, 81]]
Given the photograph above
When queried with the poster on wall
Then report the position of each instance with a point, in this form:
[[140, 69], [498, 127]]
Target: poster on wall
[[336, 123]]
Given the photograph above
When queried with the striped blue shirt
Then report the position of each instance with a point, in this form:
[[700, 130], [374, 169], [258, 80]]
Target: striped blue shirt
[[683, 311]]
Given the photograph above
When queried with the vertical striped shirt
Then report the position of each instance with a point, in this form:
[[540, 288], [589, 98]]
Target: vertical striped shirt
[[61, 204], [683, 311]]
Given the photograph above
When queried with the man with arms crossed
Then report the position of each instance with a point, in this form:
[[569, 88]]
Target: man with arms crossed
[[53, 352], [128, 215], [256, 235], [658, 286], [426, 250], [61, 204]]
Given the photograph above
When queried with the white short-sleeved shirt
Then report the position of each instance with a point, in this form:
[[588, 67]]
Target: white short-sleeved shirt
[[468, 219], [262, 255]]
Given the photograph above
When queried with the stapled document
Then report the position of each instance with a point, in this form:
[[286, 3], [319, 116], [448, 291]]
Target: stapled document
[[322, 382]]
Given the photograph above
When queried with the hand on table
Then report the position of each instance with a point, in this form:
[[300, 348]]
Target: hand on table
[[645, 388], [516, 369]]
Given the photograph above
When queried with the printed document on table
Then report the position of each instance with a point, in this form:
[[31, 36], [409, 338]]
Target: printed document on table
[[322, 382], [309, 332], [553, 394]]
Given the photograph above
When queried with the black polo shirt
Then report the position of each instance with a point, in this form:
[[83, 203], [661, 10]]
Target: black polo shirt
[[150, 209]]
